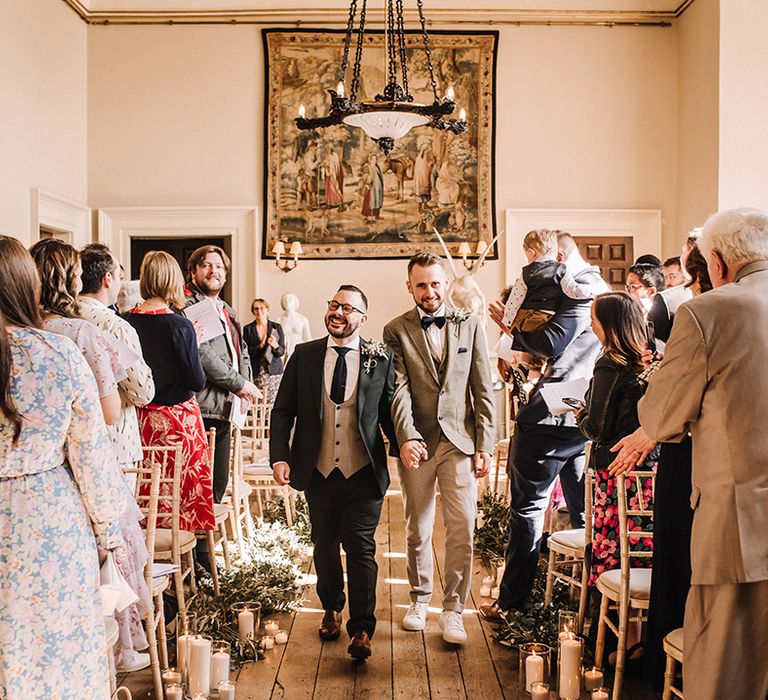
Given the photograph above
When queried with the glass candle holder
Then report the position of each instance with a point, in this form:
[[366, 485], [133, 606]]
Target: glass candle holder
[[226, 690], [171, 675], [268, 642], [186, 628], [199, 668], [601, 694], [247, 616], [571, 650], [567, 623], [593, 678], [220, 657], [281, 637], [271, 628], [539, 691], [174, 691], [486, 586], [534, 664]]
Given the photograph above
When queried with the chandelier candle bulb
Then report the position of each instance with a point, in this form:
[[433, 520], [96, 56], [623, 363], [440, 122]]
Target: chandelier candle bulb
[[271, 628], [462, 115], [302, 111], [340, 89], [450, 94], [281, 637], [593, 678], [200, 665]]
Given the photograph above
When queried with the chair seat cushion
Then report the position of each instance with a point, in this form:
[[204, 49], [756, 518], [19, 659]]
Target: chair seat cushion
[[257, 469], [673, 643], [609, 583], [220, 511], [164, 540], [160, 584], [568, 541]]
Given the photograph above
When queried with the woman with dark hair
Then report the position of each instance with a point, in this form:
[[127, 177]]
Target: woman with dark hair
[[60, 494]]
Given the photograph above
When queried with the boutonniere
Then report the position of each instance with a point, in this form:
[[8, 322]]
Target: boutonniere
[[371, 350], [457, 317]]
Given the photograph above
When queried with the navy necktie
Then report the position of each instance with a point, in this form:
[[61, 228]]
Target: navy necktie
[[427, 321], [339, 381]]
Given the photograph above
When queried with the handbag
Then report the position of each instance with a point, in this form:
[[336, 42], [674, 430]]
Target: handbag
[[116, 593]]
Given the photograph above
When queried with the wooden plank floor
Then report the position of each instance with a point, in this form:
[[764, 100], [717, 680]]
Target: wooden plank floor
[[404, 664]]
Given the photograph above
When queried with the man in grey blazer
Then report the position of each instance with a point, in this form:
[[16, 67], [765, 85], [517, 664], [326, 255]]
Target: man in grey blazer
[[442, 411], [713, 384]]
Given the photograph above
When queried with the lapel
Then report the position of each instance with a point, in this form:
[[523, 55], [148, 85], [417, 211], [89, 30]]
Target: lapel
[[412, 323], [316, 371], [452, 333], [363, 381]]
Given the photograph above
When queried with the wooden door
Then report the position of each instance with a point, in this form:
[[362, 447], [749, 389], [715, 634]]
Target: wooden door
[[612, 254]]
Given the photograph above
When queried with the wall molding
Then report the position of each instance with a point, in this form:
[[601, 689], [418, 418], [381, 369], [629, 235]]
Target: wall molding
[[62, 215]]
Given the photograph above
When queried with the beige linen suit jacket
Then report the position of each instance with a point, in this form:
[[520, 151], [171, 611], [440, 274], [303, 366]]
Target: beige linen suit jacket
[[461, 405], [713, 382]]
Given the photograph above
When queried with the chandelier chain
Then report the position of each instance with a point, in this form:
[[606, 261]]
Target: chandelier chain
[[389, 38], [358, 54], [348, 38], [401, 42], [430, 68]]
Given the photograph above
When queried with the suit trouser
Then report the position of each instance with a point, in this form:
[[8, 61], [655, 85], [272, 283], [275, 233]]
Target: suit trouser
[[452, 470], [538, 454], [220, 455], [725, 642], [346, 511]]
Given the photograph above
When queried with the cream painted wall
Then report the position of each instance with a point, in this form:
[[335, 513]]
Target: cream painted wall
[[743, 104], [588, 120], [698, 123], [43, 108]]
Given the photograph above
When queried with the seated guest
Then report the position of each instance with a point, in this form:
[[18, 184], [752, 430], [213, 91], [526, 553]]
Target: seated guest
[[169, 344], [665, 303], [648, 259], [610, 414], [61, 493], [643, 282], [59, 266], [266, 348]]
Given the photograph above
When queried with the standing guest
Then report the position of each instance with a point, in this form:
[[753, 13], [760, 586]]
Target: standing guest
[[169, 344], [59, 266], [545, 445], [666, 302], [335, 400], [643, 282], [224, 358], [102, 278], [61, 494], [266, 348], [443, 416], [700, 387]]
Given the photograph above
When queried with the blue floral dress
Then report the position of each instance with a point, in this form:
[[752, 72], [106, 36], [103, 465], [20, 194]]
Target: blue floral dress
[[60, 492]]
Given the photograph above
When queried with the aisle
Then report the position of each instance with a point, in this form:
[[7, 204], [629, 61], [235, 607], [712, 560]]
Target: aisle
[[404, 664]]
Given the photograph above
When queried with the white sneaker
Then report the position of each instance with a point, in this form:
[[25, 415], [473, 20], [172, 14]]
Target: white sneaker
[[416, 618], [135, 661], [452, 627]]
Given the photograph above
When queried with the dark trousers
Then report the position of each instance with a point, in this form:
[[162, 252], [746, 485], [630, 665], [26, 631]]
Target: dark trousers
[[346, 512], [220, 455], [538, 454]]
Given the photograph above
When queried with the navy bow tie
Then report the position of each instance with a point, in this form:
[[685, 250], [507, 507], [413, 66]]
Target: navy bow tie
[[427, 321]]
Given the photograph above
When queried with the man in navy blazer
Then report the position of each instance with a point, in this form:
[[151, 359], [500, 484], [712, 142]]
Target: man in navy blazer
[[326, 440]]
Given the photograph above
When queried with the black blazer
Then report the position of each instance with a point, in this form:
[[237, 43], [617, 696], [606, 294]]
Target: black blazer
[[259, 355], [298, 408]]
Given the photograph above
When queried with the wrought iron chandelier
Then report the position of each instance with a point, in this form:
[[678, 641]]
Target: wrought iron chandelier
[[393, 112]]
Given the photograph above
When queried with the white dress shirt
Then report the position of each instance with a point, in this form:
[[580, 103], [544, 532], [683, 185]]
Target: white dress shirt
[[435, 335], [352, 358]]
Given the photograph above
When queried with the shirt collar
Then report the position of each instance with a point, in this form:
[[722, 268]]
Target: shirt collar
[[93, 301], [439, 312], [354, 345]]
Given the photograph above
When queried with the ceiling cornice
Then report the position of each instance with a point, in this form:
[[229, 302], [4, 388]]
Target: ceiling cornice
[[338, 16]]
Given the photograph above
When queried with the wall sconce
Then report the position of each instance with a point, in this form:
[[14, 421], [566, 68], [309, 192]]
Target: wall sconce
[[465, 251], [287, 264]]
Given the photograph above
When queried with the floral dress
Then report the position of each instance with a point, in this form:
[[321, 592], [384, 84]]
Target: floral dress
[[60, 492]]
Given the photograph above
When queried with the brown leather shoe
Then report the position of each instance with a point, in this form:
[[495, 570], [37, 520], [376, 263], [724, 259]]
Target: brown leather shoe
[[330, 627], [360, 646], [491, 612]]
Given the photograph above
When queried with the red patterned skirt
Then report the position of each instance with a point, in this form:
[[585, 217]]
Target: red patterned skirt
[[182, 424]]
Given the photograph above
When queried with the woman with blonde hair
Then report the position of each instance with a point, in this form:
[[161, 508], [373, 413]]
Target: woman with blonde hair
[[169, 345], [61, 493]]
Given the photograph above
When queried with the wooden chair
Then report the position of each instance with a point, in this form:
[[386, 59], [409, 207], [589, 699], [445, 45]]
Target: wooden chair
[[147, 484], [499, 464], [172, 544], [111, 635], [673, 648], [628, 587], [569, 550], [238, 494]]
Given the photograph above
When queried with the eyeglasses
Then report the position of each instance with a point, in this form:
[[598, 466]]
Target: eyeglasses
[[346, 309], [633, 287]]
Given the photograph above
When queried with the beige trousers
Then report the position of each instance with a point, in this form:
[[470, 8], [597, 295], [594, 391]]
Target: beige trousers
[[725, 642], [452, 471]]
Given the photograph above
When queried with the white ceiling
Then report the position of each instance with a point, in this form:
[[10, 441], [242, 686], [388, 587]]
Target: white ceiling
[[436, 10]]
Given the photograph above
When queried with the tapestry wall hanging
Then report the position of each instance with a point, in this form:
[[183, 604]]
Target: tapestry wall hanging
[[334, 191]]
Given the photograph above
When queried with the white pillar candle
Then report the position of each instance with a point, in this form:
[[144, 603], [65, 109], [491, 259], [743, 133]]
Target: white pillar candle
[[219, 668], [227, 690], [271, 628], [269, 642], [499, 574], [534, 670], [593, 678], [182, 651], [245, 625], [539, 691], [281, 637], [199, 666], [600, 694], [570, 668], [173, 691]]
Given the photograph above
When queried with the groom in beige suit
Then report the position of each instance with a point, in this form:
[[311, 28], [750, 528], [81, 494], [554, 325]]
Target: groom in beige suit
[[713, 382], [442, 411]]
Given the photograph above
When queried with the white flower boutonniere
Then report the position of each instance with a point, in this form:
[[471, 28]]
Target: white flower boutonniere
[[371, 350], [457, 317]]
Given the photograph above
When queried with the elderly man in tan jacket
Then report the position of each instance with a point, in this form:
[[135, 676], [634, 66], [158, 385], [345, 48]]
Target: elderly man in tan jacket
[[442, 410], [713, 383]]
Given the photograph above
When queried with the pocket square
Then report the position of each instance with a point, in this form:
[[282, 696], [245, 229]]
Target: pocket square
[[463, 350]]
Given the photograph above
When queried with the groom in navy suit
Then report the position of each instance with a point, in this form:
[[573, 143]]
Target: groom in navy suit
[[335, 397]]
